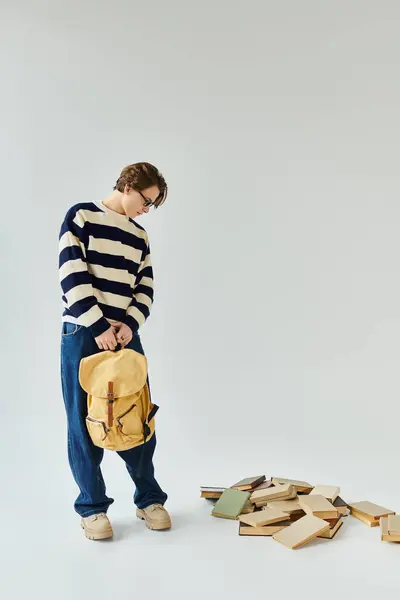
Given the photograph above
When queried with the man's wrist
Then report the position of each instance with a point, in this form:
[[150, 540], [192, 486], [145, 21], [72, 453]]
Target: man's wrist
[[99, 327], [132, 323]]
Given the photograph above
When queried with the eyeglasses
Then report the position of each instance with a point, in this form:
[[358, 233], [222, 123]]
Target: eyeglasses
[[146, 201]]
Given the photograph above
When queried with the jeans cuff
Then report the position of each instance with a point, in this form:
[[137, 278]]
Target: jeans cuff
[[93, 512]]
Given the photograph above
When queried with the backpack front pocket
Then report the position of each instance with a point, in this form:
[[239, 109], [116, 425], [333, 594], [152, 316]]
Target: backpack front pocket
[[97, 430], [129, 422]]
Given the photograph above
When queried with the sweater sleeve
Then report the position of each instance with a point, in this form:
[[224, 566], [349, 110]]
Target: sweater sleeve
[[143, 293], [75, 278]]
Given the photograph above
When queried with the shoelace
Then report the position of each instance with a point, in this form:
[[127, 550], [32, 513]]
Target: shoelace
[[155, 506], [95, 517]]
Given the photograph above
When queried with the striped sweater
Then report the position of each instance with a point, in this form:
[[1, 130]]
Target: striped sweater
[[105, 268]]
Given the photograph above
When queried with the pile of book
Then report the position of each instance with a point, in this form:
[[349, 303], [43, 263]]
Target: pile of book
[[294, 512]]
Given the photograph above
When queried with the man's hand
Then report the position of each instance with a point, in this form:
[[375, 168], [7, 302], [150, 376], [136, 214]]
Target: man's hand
[[124, 335], [123, 332], [107, 340]]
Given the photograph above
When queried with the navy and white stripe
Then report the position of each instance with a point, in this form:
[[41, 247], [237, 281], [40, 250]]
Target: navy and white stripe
[[105, 268]]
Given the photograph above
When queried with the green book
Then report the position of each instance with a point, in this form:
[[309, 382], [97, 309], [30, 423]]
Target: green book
[[230, 504]]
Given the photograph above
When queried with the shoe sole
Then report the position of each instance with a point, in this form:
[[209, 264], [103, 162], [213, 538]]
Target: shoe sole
[[105, 535], [152, 525]]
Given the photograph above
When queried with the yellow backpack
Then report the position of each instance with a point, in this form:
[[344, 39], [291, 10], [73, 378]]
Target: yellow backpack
[[120, 412]]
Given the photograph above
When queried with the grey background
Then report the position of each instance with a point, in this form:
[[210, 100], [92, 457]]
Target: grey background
[[274, 339]]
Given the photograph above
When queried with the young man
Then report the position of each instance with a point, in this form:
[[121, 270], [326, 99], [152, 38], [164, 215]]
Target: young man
[[107, 282]]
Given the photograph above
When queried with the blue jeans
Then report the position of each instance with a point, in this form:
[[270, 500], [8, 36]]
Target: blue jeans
[[84, 457]]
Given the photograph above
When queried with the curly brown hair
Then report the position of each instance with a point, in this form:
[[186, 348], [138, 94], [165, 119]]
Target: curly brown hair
[[141, 176]]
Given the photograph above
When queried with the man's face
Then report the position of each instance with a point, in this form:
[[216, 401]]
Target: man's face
[[136, 203]]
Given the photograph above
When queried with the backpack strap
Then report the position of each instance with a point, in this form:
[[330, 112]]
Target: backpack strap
[[110, 403], [152, 412], [146, 428], [146, 433]]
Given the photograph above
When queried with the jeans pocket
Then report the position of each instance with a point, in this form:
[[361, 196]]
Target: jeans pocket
[[70, 329]]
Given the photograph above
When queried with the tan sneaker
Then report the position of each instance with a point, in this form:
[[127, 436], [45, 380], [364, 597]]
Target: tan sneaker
[[97, 527], [155, 515]]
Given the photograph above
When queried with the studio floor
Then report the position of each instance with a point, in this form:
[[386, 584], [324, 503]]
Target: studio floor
[[47, 556]]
